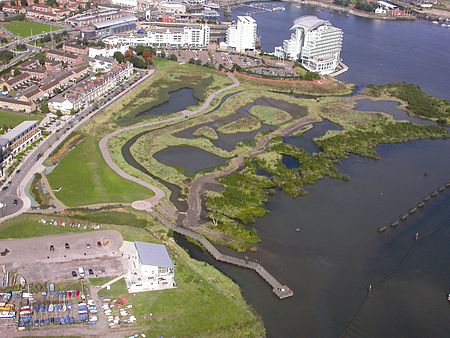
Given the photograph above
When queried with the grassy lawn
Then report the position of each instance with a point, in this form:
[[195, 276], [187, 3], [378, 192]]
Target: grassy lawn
[[270, 115], [207, 132], [28, 28], [205, 304], [11, 119], [85, 178]]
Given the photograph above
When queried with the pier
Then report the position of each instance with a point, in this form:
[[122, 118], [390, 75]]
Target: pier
[[280, 290]]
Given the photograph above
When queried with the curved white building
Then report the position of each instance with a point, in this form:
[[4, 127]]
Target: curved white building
[[315, 43]]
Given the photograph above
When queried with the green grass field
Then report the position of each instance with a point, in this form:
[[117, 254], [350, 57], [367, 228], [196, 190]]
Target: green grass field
[[11, 119], [28, 28], [85, 178]]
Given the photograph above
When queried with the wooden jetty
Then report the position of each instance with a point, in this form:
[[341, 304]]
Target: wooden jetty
[[280, 290]]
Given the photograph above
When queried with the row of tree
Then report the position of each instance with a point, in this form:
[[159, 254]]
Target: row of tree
[[140, 56]]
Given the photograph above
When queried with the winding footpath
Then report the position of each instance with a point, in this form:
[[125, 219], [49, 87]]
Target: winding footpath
[[159, 194]]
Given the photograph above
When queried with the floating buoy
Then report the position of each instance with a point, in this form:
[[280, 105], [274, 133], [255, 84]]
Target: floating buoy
[[412, 211], [447, 185], [403, 217], [441, 189], [421, 204], [426, 199], [393, 225], [434, 194], [297, 229], [426, 174]]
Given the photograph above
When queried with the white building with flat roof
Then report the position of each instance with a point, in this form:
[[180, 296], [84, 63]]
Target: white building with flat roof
[[315, 43], [125, 3], [149, 267], [242, 35], [193, 35]]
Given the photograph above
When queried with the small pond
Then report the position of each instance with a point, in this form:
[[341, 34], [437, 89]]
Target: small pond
[[178, 100], [306, 142], [190, 159], [290, 162]]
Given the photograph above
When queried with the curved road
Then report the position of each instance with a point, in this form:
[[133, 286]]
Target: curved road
[[159, 194]]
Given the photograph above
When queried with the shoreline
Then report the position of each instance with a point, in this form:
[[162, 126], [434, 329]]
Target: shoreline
[[336, 8]]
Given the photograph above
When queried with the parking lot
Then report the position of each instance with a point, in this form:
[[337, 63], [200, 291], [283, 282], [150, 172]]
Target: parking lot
[[60, 257]]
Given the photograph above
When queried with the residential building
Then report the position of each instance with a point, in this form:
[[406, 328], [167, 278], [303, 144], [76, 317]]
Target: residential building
[[61, 56], [315, 43], [108, 51], [15, 82], [242, 35], [42, 11], [90, 90], [15, 141], [75, 48], [149, 267], [102, 64], [173, 35], [10, 103]]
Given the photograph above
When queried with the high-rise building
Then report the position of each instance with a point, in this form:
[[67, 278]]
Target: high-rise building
[[315, 43], [242, 35]]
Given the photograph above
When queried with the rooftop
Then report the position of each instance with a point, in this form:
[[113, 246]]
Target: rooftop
[[308, 23], [19, 129], [109, 23], [153, 254]]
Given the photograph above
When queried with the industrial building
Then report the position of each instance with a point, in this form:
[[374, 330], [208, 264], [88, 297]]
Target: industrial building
[[110, 27]]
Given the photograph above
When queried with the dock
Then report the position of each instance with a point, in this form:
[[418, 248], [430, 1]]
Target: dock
[[280, 290]]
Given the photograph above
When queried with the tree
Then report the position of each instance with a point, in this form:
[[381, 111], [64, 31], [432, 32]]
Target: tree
[[52, 3], [140, 49], [119, 57], [173, 57], [192, 60], [129, 53], [163, 54], [40, 57], [44, 107], [147, 55], [137, 62], [16, 72], [24, 3], [58, 113], [36, 1], [12, 3]]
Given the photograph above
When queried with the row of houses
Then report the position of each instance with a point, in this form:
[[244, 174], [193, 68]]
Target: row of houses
[[90, 90], [41, 10], [15, 141]]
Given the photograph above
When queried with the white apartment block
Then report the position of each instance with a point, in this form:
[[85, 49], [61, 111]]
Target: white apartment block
[[149, 267], [242, 35], [176, 36], [315, 43]]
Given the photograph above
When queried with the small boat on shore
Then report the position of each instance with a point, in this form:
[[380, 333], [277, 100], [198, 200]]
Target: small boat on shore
[[23, 281]]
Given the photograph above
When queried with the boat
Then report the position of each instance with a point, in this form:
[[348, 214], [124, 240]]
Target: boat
[[23, 281], [7, 314], [435, 22], [448, 297]]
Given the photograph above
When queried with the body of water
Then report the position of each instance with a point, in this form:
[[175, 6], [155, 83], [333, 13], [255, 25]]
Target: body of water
[[376, 51], [178, 101]]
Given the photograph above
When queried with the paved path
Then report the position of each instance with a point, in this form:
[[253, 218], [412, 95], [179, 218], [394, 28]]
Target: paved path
[[159, 194]]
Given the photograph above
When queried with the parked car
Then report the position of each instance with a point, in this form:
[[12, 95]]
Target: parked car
[[18, 171], [91, 272], [4, 188], [52, 248], [67, 246], [15, 201], [99, 244], [74, 274], [88, 245]]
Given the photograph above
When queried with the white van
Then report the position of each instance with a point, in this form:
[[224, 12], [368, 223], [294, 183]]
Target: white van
[[81, 272]]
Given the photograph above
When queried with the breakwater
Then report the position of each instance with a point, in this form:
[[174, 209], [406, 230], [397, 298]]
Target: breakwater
[[413, 210]]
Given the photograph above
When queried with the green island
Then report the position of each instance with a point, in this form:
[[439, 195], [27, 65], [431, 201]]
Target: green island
[[242, 125], [270, 115], [28, 28], [207, 132], [416, 100]]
